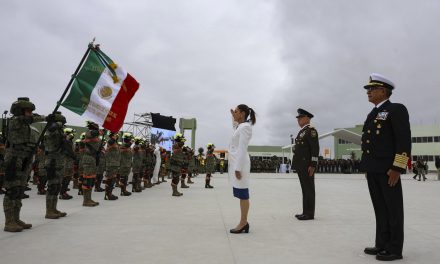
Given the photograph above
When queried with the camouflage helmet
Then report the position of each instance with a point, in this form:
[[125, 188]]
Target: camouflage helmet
[[210, 145], [137, 140], [20, 105], [69, 131], [77, 141], [83, 135], [127, 135], [60, 118], [179, 137], [92, 125]]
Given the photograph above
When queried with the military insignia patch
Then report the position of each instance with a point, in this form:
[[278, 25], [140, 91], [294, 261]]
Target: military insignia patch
[[382, 116], [313, 133]]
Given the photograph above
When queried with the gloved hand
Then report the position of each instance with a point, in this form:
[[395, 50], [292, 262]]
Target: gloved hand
[[50, 118]]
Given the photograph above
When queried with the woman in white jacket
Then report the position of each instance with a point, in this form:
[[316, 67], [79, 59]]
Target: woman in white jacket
[[239, 162], [155, 178]]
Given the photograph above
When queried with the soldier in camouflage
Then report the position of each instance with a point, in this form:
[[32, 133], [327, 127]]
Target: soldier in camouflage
[[126, 162], [89, 164], [191, 164], [163, 164], [2, 159], [143, 153], [69, 134], [56, 153], [20, 148], [201, 161], [149, 166], [177, 162], [82, 152], [210, 165], [113, 160], [184, 169], [40, 159], [137, 165], [101, 167]]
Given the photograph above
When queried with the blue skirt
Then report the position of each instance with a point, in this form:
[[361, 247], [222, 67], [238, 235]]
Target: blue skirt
[[242, 194]]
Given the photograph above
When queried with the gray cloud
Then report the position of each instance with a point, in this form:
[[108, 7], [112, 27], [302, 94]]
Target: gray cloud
[[200, 58]]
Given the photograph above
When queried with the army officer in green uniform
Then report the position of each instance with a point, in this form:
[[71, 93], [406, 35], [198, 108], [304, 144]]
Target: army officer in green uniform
[[305, 160]]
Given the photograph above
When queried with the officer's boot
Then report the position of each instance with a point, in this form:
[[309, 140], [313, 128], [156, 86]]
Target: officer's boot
[[98, 182], [182, 184], [17, 209], [10, 223], [61, 214], [175, 192], [50, 209]]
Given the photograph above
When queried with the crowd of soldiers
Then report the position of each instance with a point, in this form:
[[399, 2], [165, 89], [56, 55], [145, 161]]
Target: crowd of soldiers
[[98, 157]]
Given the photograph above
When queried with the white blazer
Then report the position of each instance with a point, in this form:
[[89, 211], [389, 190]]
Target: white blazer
[[238, 156]]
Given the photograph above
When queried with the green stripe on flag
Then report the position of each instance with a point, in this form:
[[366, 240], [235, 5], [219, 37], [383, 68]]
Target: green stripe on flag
[[79, 96]]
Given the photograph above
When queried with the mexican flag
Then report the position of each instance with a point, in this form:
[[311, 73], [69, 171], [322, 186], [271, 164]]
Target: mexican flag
[[101, 91]]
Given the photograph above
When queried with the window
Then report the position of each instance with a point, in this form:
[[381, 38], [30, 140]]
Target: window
[[436, 139], [413, 140], [425, 139], [419, 140], [429, 139], [430, 158]]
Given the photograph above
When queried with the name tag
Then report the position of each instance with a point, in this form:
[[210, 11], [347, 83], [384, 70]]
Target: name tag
[[382, 116]]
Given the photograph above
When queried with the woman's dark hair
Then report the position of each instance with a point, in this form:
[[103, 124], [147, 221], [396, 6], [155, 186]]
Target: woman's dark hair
[[249, 113]]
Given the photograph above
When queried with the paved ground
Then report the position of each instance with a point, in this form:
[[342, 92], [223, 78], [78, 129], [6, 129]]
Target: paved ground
[[153, 227]]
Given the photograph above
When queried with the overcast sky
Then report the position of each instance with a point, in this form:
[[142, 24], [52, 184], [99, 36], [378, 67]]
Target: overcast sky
[[199, 58]]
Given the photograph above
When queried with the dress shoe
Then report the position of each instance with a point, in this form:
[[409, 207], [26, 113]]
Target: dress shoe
[[385, 255], [245, 229], [305, 217], [372, 250], [298, 215]]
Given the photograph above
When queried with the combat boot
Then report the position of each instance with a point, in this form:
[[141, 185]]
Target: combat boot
[[50, 210], [87, 198], [65, 196], [182, 184], [109, 196], [10, 224], [124, 191], [17, 219], [60, 214], [189, 181], [207, 184], [175, 192], [163, 179]]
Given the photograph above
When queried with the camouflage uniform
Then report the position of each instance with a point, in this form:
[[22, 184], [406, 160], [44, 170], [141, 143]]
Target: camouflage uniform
[[149, 166], [2, 159], [82, 152], [76, 164], [88, 162], [126, 163], [184, 168], [163, 164], [100, 169], [40, 159], [177, 162], [210, 165], [55, 157], [17, 161], [112, 162], [191, 165], [69, 162], [137, 166], [143, 153]]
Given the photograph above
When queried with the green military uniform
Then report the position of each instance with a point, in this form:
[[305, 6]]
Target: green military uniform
[[101, 168], [305, 156], [149, 166], [210, 165], [92, 145], [184, 168], [137, 166], [126, 163], [163, 164], [82, 152], [177, 161], [143, 154], [42, 175], [113, 160], [17, 160], [55, 156], [69, 162], [191, 165], [2, 159]]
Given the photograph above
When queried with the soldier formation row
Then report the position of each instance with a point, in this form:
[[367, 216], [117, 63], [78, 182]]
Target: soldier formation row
[[96, 158]]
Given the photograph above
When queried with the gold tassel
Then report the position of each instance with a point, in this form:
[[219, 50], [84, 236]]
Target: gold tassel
[[115, 79], [113, 65]]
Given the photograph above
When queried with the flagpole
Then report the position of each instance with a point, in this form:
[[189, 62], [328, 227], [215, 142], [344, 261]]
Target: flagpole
[[89, 48]]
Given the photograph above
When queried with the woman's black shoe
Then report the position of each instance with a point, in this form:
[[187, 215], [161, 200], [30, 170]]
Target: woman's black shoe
[[245, 228]]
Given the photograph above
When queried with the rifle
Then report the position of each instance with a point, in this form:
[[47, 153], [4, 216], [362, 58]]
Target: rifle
[[5, 125]]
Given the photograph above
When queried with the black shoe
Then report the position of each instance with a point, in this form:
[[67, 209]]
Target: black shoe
[[245, 229], [372, 250], [27, 188], [298, 215], [387, 256], [305, 217]]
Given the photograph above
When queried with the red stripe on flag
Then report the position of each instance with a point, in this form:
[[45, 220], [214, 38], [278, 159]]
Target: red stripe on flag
[[115, 118]]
